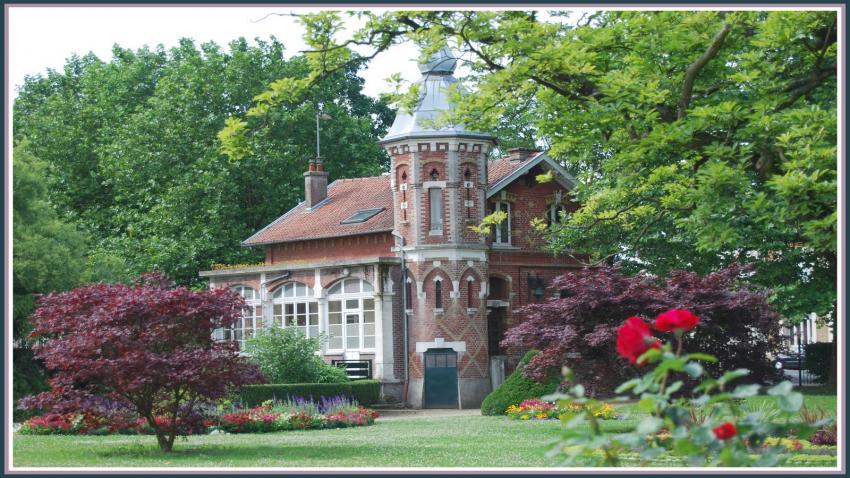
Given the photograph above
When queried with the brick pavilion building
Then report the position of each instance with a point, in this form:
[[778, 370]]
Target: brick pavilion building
[[388, 269]]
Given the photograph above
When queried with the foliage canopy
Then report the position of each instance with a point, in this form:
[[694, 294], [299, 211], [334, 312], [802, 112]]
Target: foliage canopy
[[737, 325], [699, 138], [148, 344]]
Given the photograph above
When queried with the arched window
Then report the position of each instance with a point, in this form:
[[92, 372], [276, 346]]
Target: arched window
[[470, 302], [438, 294], [408, 291], [251, 320], [293, 305], [351, 316]]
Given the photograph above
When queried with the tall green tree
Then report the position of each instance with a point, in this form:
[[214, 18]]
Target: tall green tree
[[700, 138], [48, 254], [133, 150]]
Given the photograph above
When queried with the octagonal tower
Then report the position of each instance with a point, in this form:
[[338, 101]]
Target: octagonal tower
[[439, 180]]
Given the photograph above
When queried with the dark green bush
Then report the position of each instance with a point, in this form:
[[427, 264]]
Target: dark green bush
[[517, 388], [818, 360], [366, 392]]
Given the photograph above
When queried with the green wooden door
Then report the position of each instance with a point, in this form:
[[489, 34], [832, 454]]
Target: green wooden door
[[440, 378]]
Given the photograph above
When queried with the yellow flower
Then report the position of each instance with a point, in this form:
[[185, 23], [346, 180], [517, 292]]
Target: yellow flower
[[524, 417], [541, 416]]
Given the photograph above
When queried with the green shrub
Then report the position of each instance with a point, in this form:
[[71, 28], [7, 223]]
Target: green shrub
[[517, 388], [366, 392], [818, 360], [287, 356], [332, 374]]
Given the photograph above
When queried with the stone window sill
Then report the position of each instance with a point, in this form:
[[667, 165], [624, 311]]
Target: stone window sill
[[435, 233]]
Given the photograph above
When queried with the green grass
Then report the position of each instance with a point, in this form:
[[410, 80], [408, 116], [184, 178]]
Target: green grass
[[461, 441], [468, 441]]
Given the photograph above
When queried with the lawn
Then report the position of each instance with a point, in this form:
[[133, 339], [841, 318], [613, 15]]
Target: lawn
[[466, 441], [470, 441]]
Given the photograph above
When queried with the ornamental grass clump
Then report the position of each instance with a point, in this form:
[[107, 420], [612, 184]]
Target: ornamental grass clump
[[708, 428]]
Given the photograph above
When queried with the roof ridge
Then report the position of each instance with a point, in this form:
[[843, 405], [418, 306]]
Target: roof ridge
[[276, 221], [361, 178]]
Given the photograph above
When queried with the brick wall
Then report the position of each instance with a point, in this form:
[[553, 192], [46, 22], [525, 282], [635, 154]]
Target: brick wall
[[456, 322], [333, 249], [527, 203]]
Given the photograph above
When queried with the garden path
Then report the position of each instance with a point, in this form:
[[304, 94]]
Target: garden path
[[403, 413]]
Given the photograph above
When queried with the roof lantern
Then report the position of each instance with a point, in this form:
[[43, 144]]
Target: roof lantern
[[437, 78]]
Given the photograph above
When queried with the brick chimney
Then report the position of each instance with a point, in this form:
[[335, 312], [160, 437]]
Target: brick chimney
[[315, 183], [521, 154]]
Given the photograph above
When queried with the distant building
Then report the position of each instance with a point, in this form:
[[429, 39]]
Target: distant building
[[359, 256], [806, 332]]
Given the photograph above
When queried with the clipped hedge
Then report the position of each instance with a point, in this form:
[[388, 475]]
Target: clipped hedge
[[366, 392], [517, 389], [818, 360]]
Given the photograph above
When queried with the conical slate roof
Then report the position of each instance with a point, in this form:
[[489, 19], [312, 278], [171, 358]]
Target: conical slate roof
[[436, 79]]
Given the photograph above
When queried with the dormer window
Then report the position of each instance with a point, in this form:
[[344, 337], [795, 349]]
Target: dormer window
[[555, 213], [502, 231]]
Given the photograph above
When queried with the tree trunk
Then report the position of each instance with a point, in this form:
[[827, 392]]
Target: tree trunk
[[166, 443]]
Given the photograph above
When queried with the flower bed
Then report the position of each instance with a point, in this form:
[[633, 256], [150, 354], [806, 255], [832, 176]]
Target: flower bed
[[271, 416], [540, 410]]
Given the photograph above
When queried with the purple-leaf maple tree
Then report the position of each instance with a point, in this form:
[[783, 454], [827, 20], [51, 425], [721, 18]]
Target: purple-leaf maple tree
[[577, 329], [148, 344]]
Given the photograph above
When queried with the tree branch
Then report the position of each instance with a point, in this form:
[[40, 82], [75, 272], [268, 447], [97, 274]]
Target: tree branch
[[695, 67], [804, 87]]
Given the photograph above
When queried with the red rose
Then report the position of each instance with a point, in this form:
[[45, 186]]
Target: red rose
[[633, 339], [725, 431], [676, 319]]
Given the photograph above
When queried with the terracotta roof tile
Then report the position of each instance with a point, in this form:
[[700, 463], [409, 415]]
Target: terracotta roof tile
[[503, 167], [345, 197]]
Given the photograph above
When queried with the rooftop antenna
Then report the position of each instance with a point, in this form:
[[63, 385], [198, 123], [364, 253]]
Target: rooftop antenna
[[318, 161]]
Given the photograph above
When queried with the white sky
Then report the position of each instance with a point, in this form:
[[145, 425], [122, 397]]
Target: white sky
[[44, 37]]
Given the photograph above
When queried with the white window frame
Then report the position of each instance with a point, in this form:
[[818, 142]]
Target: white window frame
[[552, 214], [431, 215], [364, 292], [252, 304], [497, 236], [294, 294]]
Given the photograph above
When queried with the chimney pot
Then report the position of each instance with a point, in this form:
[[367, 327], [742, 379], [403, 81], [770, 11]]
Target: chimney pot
[[315, 184], [521, 154]]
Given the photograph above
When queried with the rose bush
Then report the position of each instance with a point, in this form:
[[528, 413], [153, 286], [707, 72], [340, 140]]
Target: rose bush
[[721, 434]]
